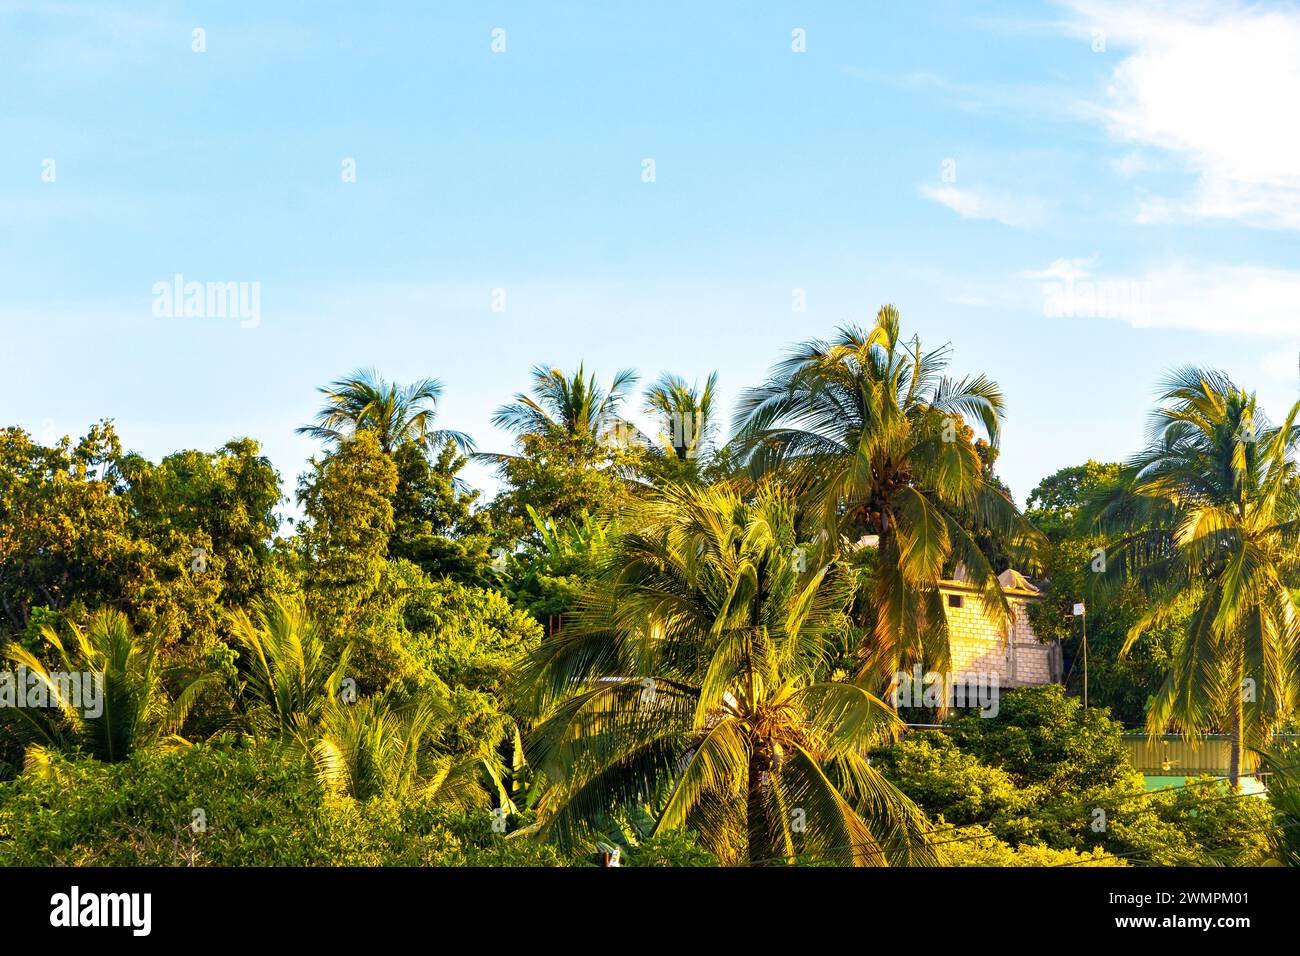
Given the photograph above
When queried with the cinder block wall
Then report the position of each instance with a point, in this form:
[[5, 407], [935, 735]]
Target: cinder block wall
[[978, 646]]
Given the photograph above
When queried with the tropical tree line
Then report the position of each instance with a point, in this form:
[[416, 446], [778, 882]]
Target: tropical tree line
[[681, 643]]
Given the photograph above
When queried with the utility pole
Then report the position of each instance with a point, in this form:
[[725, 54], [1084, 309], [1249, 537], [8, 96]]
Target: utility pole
[[1081, 611]]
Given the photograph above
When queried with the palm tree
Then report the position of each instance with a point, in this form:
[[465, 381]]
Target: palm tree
[[371, 748], [1210, 512], [687, 421], [117, 705], [691, 683], [285, 674], [873, 437], [566, 406], [397, 413]]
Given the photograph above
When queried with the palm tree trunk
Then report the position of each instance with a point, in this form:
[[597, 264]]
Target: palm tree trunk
[[1234, 755], [756, 813]]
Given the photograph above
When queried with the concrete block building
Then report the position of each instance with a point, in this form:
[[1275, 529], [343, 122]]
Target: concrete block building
[[981, 647]]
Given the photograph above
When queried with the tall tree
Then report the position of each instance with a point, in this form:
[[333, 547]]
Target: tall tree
[[348, 499], [870, 433], [575, 453], [1211, 509], [691, 682], [437, 525], [395, 413]]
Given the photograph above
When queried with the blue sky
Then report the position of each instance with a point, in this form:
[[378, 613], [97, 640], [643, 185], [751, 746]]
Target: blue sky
[[982, 170]]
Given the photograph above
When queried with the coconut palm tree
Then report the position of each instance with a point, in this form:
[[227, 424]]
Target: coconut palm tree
[[692, 683], [119, 705], [396, 413], [873, 438], [566, 406], [687, 423], [285, 674], [1210, 511]]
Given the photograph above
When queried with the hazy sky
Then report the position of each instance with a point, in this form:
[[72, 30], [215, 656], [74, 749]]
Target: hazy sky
[[986, 172]]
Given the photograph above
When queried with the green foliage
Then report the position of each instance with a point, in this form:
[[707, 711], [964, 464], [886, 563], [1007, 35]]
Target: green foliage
[[979, 846], [684, 450], [688, 689], [549, 577], [284, 674], [715, 629], [260, 806], [63, 524], [1045, 779], [124, 709], [348, 500], [1282, 763], [943, 778], [1055, 502], [575, 455], [393, 414], [435, 523], [867, 429], [227, 497], [468, 636], [1074, 566], [374, 748], [672, 848], [1209, 509], [563, 477]]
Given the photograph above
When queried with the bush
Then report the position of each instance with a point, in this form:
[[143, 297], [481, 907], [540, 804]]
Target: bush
[[978, 846], [227, 805], [1047, 774]]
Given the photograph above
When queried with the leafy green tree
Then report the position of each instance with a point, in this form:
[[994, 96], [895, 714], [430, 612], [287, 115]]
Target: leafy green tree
[[549, 576], [1209, 509], [436, 525], [1046, 778], [472, 641], [172, 545], [1055, 503], [64, 525], [1073, 571], [1282, 764], [348, 500], [947, 780], [691, 684], [395, 413], [222, 804], [867, 429], [228, 496]]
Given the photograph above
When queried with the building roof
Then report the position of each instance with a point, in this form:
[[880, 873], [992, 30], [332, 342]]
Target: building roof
[[1010, 580]]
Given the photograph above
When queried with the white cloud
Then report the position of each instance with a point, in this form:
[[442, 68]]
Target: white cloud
[[1215, 86], [977, 203], [1225, 299]]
